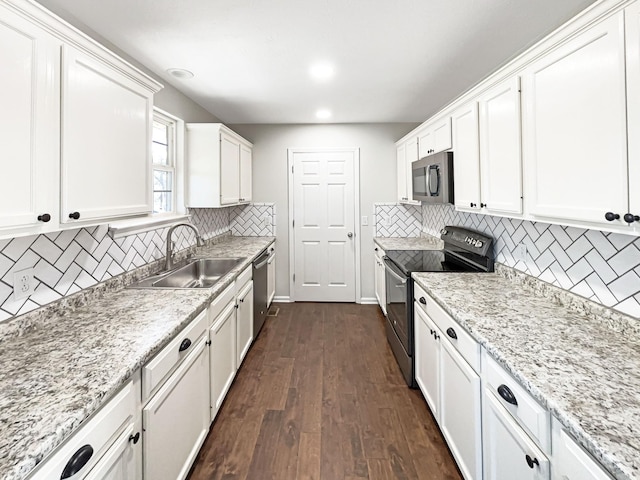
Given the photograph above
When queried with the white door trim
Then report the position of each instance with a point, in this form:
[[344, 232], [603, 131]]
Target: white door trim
[[356, 192]]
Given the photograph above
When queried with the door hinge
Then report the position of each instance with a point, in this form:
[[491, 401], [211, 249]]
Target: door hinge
[[291, 168], [294, 278], [293, 223]]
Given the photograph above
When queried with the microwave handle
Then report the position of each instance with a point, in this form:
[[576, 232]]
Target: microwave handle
[[437, 172]]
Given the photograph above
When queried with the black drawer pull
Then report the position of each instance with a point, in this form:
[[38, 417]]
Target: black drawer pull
[[532, 461], [508, 396], [77, 461], [134, 438], [423, 300], [452, 333], [186, 343]]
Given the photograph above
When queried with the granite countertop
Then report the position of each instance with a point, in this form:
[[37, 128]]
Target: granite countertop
[[55, 375], [425, 242], [585, 369]]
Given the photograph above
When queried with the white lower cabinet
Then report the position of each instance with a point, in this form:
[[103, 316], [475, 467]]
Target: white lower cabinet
[[570, 461], [460, 411], [271, 277], [427, 361], [509, 453], [222, 359], [244, 322], [176, 419], [123, 461], [379, 278]]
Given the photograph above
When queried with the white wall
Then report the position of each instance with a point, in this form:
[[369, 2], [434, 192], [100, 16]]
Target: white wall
[[377, 177]]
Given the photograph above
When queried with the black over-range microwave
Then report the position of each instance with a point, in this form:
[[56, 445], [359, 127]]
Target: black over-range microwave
[[433, 178]]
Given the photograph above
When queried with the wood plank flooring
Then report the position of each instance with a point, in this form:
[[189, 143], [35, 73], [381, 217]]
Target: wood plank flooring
[[320, 396]]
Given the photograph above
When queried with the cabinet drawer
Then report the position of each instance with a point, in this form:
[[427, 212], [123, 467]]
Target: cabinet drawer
[[243, 278], [96, 436], [221, 302], [167, 360], [459, 338], [534, 418]]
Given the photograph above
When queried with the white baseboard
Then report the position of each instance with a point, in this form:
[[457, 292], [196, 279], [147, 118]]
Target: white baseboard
[[368, 301], [282, 299]]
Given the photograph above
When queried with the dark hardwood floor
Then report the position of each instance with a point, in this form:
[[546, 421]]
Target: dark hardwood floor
[[319, 396]]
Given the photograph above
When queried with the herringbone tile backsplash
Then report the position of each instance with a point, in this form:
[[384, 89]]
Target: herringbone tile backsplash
[[254, 220], [604, 267], [397, 220], [69, 261]]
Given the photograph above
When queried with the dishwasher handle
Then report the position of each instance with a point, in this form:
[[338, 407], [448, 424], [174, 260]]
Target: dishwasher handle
[[259, 262], [393, 273]]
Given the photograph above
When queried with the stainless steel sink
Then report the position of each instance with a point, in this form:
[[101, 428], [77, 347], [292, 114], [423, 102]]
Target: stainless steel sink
[[198, 273]]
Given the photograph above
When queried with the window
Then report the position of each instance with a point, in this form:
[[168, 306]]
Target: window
[[163, 156]]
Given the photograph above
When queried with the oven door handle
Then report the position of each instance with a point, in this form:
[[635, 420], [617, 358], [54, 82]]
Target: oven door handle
[[393, 273]]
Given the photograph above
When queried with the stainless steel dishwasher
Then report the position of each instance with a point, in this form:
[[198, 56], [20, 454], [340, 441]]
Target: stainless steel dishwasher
[[260, 291]]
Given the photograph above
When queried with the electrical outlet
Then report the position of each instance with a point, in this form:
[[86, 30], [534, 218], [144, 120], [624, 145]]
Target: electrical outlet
[[365, 221], [386, 220], [266, 220], [521, 252], [23, 283]]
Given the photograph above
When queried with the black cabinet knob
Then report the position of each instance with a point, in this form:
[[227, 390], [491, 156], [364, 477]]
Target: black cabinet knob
[[630, 218], [436, 336], [134, 438], [74, 215], [472, 204], [77, 461], [433, 332], [452, 333], [186, 343], [45, 217], [508, 396], [423, 300], [531, 461], [482, 205], [610, 216]]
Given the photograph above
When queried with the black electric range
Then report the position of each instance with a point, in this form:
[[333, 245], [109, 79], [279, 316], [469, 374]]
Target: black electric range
[[464, 251]]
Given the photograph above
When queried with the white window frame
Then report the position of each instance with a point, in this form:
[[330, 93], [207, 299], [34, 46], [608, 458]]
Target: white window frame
[[152, 221]]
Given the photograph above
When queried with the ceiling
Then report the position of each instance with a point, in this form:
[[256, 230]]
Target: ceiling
[[394, 60]]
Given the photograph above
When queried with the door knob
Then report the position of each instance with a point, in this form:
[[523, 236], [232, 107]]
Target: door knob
[[349, 234]]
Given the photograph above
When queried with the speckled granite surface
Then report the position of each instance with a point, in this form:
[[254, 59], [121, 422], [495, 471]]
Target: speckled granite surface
[[60, 370], [577, 364], [425, 242]]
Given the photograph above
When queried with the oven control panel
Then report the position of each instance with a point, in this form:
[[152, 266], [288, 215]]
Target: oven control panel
[[470, 240]]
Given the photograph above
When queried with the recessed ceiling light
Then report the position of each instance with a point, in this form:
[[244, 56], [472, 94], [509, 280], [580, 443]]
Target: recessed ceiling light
[[322, 71], [180, 73], [323, 114]]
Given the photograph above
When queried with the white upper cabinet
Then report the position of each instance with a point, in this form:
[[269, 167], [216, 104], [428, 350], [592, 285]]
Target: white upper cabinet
[[406, 154], [218, 165], [30, 97], [466, 157], [106, 141], [435, 137], [632, 26], [574, 127], [500, 151]]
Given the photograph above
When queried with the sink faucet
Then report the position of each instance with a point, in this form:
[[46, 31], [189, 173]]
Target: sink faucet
[[169, 259]]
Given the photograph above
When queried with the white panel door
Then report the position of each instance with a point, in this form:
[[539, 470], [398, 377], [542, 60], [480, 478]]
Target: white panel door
[[222, 357], [508, 452], [229, 170], [324, 228], [574, 120], [29, 126], [632, 25], [176, 419], [466, 157], [500, 151], [460, 411], [244, 335], [106, 141], [427, 358], [245, 173]]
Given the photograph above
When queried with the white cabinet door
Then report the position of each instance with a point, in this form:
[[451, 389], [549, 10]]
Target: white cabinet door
[[411, 155], [632, 25], [245, 322], [508, 452], [427, 360], [460, 411], [426, 143], [271, 277], [222, 357], [245, 173], [106, 141], [574, 118], [29, 126], [401, 171], [466, 157], [123, 461], [229, 170], [435, 138], [176, 419], [500, 152]]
